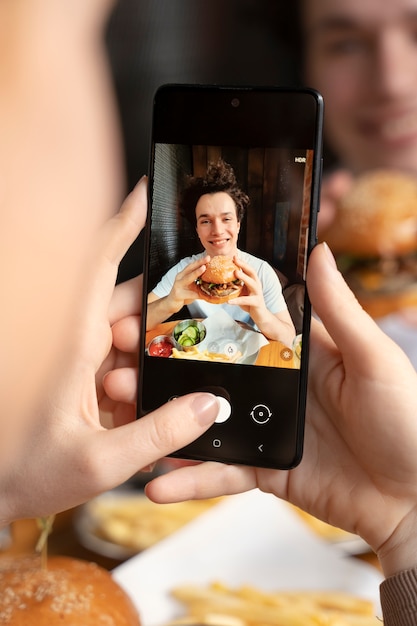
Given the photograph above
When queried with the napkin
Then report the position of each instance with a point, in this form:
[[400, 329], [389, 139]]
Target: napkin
[[226, 336]]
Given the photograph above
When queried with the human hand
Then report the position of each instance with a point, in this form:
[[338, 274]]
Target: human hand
[[359, 468], [251, 299], [59, 124], [275, 326], [66, 456], [184, 290]]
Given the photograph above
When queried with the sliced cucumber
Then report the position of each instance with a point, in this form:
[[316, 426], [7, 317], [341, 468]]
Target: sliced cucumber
[[186, 341], [191, 331]]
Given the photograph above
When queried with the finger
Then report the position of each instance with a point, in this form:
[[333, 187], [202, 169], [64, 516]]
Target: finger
[[348, 324], [242, 301], [126, 299], [113, 241], [121, 384], [193, 270], [245, 269], [249, 280], [123, 414], [125, 450], [196, 482], [121, 231], [126, 334]]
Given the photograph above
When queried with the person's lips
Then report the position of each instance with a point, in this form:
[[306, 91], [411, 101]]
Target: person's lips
[[219, 242], [401, 127], [393, 128]]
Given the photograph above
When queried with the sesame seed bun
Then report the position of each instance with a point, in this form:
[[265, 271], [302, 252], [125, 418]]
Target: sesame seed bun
[[218, 284], [69, 592], [221, 269]]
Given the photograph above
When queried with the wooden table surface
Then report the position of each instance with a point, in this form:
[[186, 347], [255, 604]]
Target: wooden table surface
[[274, 354]]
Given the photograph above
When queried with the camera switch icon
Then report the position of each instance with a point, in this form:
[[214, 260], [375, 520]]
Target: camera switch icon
[[261, 414]]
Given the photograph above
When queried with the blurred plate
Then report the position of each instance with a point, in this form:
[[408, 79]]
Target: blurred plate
[[122, 523], [248, 539]]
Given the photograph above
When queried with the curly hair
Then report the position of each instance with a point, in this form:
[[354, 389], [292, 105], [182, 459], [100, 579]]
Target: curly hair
[[220, 176]]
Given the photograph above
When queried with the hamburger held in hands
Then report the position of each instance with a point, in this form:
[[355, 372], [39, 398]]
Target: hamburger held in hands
[[374, 240], [218, 283]]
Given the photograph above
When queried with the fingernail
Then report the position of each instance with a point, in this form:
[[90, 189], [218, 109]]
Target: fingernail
[[206, 408], [148, 468], [329, 255], [141, 179]]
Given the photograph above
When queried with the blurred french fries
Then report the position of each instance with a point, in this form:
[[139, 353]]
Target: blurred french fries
[[195, 354], [327, 531], [220, 605], [136, 522]]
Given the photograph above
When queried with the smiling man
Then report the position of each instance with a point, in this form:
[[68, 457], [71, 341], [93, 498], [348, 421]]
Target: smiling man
[[362, 56], [215, 206]]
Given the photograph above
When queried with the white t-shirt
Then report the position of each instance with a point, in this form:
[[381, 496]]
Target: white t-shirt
[[271, 287]]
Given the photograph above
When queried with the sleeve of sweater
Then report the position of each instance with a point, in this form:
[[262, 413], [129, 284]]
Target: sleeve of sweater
[[399, 599]]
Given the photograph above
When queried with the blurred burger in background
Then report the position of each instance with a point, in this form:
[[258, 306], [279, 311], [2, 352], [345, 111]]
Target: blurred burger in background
[[374, 240]]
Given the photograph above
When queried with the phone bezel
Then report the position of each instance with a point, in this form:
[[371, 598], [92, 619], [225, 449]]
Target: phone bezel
[[182, 123]]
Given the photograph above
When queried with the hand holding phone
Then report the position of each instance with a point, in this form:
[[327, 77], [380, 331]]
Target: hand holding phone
[[234, 185]]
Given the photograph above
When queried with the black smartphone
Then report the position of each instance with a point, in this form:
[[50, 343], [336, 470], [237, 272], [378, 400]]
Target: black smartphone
[[233, 200]]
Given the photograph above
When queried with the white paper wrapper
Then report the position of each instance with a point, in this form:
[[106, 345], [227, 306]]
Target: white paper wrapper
[[226, 336]]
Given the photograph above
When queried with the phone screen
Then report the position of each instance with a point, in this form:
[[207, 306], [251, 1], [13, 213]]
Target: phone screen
[[234, 184]]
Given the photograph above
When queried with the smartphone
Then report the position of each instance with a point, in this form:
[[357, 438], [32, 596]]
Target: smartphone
[[234, 181]]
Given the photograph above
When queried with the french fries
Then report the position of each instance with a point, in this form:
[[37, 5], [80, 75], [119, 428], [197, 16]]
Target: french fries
[[195, 354], [220, 605], [137, 523], [327, 531]]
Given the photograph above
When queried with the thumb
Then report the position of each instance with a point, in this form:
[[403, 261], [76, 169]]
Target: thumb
[[350, 327], [113, 241], [127, 449], [122, 229]]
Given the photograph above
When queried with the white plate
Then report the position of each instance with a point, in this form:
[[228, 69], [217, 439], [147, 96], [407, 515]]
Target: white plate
[[252, 538]]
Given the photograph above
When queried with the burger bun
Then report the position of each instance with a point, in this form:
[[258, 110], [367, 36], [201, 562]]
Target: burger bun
[[69, 592], [220, 271]]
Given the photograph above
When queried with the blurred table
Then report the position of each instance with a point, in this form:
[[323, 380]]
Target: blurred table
[[64, 541], [274, 354]]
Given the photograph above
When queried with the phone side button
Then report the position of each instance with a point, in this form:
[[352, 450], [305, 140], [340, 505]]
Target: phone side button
[[225, 410]]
